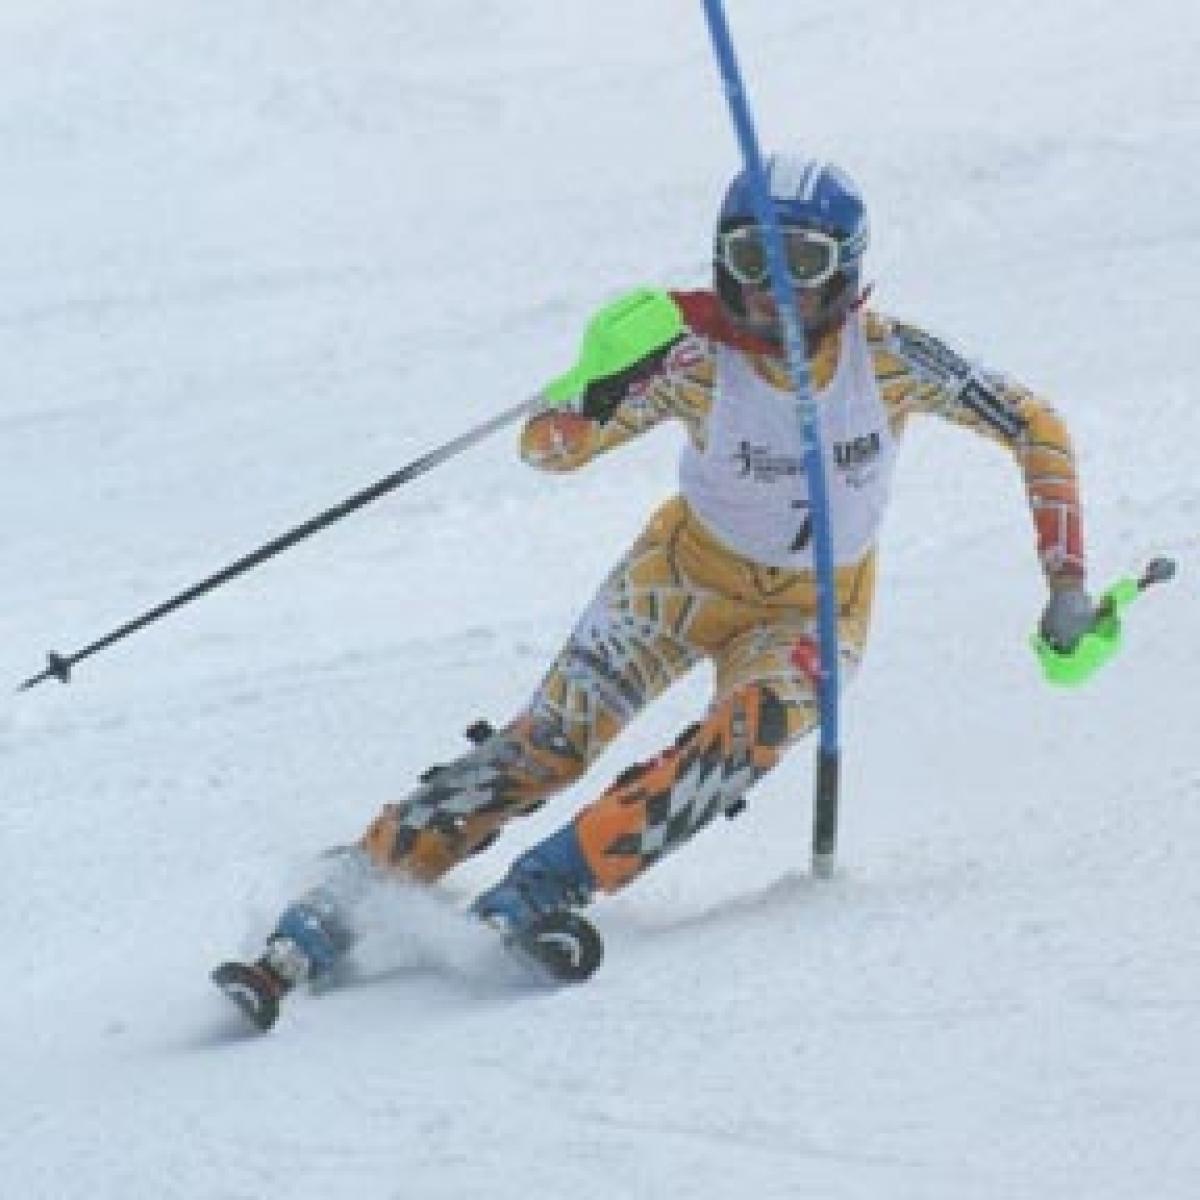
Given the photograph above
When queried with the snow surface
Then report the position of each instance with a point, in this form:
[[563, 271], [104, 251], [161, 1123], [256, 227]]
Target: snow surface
[[255, 255]]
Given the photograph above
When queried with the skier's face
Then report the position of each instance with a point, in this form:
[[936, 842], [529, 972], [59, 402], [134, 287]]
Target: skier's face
[[762, 313]]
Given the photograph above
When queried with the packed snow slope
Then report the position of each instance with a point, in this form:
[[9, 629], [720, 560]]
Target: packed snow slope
[[255, 255]]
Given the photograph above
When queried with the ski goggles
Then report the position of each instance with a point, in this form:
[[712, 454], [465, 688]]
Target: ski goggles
[[812, 257]]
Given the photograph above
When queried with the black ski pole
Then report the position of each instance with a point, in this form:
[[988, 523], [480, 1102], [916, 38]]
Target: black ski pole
[[59, 665]]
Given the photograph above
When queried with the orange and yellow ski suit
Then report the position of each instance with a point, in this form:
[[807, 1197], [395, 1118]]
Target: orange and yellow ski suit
[[722, 573]]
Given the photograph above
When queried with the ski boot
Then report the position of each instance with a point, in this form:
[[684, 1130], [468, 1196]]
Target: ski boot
[[309, 940], [532, 909]]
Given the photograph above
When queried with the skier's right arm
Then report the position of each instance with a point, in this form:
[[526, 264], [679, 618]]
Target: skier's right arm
[[561, 437], [616, 408]]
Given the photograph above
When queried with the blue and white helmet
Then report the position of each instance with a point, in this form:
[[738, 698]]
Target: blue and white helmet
[[824, 220]]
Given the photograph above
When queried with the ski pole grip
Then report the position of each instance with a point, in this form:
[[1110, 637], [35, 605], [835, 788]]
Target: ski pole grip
[[1070, 668], [618, 337]]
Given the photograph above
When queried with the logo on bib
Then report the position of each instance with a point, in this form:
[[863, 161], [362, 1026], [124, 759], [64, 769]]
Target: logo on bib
[[856, 459], [765, 467]]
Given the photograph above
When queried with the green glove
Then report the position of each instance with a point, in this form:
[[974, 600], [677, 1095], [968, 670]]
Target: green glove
[[626, 338]]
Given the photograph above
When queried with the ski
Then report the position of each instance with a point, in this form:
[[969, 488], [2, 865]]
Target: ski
[[558, 949]]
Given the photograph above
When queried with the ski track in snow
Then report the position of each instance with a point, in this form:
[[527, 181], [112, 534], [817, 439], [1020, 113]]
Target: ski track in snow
[[254, 257]]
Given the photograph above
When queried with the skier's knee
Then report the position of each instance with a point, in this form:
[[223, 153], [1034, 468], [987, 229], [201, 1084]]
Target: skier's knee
[[459, 807], [753, 721], [778, 713]]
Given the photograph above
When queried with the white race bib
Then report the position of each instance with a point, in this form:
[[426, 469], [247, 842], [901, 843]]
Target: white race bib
[[749, 486]]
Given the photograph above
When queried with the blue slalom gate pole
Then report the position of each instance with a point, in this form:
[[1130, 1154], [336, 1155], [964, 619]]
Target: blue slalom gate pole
[[825, 807]]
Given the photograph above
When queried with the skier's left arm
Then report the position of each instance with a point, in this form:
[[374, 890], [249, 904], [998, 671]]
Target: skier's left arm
[[934, 378]]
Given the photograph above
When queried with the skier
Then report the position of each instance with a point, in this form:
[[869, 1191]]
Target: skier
[[723, 572]]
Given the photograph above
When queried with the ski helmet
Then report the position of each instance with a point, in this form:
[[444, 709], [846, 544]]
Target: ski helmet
[[824, 224]]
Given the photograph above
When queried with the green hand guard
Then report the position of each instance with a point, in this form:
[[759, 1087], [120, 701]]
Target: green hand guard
[[1076, 666], [618, 337]]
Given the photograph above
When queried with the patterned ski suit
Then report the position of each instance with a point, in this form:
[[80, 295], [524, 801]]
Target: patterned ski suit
[[723, 572]]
